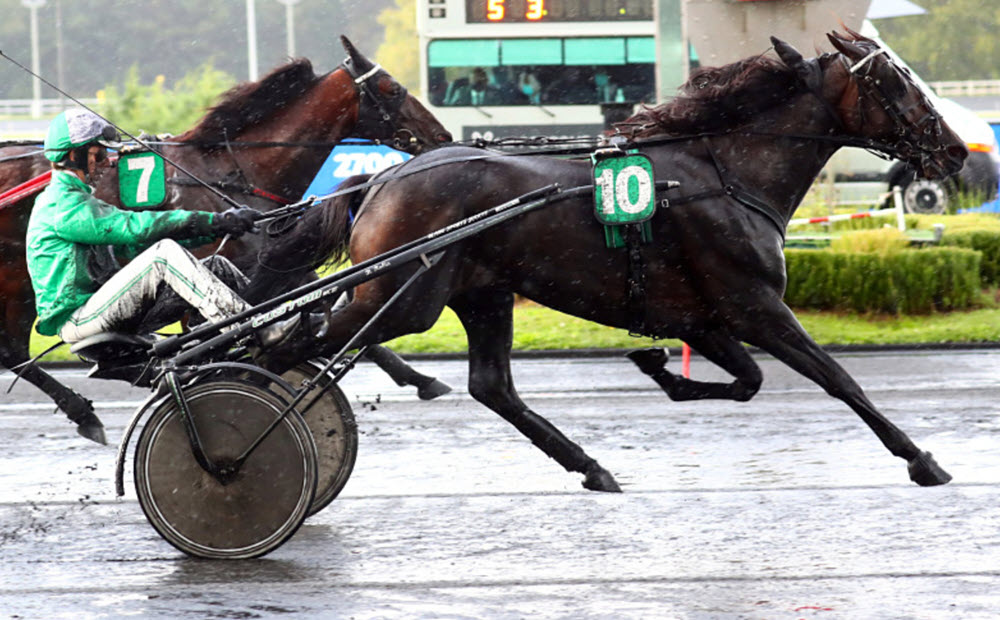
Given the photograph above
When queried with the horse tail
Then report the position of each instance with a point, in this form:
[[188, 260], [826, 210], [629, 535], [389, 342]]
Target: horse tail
[[336, 215], [319, 236]]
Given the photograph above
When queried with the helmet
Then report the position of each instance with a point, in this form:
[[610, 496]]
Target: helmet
[[76, 128]]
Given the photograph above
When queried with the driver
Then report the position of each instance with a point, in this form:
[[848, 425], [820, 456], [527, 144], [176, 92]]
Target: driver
[[75, 242]]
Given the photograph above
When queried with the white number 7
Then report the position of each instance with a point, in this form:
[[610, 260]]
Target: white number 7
[[147, 165]]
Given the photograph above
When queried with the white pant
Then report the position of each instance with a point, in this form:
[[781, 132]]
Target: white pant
[[125, 299]]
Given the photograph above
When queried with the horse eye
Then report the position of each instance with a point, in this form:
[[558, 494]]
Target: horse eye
[[392, 90]]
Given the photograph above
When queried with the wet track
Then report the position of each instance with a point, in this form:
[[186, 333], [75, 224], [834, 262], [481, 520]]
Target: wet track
[[784, 507]]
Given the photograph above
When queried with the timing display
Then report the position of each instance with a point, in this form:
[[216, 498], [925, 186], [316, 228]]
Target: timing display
[[511, 11]]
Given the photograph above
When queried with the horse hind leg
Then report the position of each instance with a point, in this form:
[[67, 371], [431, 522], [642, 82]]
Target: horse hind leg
[[78, 409], [488, 320], [17, 315], [428, 388], [717, 348]]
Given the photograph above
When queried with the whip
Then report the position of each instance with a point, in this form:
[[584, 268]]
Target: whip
[[142, 143]]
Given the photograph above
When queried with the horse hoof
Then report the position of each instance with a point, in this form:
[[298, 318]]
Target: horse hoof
[[432, 390], [600, 479], [91, 428], [925, 471], [649, 361]]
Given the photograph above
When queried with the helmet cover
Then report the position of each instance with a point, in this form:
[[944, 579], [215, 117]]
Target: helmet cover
[[75, 128]]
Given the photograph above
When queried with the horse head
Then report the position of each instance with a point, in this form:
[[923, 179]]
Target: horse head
[[881, 101], [386, 111]]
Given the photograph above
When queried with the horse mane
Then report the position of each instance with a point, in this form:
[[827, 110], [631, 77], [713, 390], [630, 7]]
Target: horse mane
[[717, 98], [248, 103]]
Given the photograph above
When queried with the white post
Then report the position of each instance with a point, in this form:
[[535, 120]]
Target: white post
[[36, 84], [60, 64], [289, 26], [252, 39], [897, 201]]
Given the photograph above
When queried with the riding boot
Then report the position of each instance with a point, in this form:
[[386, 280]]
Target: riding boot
[[277, 334]]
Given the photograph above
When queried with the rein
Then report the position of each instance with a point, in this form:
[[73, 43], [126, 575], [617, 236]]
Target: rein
[[242, 187], [21, 156], [727, 189]]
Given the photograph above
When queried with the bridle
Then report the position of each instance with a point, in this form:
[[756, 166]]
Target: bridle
[[912, 139], [379, 116]]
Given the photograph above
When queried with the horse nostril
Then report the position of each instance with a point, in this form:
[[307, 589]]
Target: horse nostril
[[957, 153], [444, 137]]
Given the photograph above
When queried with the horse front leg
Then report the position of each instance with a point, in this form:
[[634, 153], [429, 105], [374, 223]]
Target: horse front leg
[[720, 349], [488, 320], [777, 331]]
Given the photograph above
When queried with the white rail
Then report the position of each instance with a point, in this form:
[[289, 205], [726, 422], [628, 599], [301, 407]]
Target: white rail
[[50, 107], [897, 208], [966, 88]]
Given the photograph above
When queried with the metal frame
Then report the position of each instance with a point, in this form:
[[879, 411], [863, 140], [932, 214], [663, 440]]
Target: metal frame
[[180, 359]]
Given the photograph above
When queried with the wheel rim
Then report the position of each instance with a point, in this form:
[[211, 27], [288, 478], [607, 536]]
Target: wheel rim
[[247, 517], [334, 431], [922, 196]]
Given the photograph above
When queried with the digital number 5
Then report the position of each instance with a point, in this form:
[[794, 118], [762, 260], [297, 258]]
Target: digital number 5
[[494, 10]]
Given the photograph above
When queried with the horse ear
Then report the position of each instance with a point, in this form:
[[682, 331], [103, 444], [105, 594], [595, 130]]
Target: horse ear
[[788, 54], [856, 36], [808, 71], [844, 46], [359, 60]]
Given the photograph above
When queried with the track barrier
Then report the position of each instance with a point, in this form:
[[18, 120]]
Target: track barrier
[[897, 209]]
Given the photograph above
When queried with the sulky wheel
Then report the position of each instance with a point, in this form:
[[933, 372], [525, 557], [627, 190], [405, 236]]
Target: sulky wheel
[[333, 428], [256, 509]]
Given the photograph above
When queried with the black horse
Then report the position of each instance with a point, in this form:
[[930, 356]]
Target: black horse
[[745, 141]]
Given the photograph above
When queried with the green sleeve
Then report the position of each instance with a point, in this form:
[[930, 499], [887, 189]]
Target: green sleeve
[[92, 221]]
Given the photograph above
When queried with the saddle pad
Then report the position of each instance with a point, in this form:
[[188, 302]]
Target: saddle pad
[[624, 192], [141, 180]]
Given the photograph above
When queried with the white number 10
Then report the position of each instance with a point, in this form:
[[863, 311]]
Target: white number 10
[[616, 190]]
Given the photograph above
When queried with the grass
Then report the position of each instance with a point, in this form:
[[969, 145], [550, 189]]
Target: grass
[[539, 328]]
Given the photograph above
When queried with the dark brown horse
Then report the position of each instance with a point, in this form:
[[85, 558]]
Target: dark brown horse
[[745, 141], [265, 138]]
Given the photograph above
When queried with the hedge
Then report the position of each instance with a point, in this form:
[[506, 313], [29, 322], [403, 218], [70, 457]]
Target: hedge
[[985, 241], [904, 282]]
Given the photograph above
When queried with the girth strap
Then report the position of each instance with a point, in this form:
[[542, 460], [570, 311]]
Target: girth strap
[[742, 196], [635, 280], [756, 204]]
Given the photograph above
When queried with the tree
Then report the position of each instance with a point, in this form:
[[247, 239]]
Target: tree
[[156, 109], [102, 39], [955, 40], [399, 52]]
